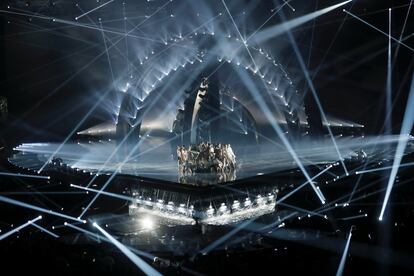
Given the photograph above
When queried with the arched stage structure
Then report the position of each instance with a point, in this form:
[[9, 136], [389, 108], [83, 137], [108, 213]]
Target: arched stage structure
[[202, 137]]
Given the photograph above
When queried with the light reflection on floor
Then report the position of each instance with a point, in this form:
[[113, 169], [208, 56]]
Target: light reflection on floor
[[158, 162]]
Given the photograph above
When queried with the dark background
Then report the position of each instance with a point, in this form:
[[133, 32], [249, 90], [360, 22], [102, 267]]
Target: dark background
[[350, 84]]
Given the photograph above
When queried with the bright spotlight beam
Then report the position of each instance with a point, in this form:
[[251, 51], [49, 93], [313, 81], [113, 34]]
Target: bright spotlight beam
[[37, 208], [141, 264], [238, 31], [341, 267], [90, 27], [76, 24], [125, 159], [232, 20], [289, 5], [134, 250], [268, 19], [124, 139], [314, 94], [252, 89], [24, 175], [102, 190], [42, 193], [302, 185], [45, 230], [407, 126], [375, 28], [98, 237], [301, 210], [354, 217], [334, 203], [384, 168], [273, 31], [103, 193], [98, 102], [11, 232], [94, 9], [227, 236]]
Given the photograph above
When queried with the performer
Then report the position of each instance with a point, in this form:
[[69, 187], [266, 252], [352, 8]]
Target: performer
[[206, 157], [231, 156]]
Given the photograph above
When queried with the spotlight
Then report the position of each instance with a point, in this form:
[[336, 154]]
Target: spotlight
[[147, 223]]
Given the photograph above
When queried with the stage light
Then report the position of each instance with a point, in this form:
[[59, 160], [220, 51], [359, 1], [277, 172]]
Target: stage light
[[11, 232], [147, 223], [236, 205], [24, 175], [344, 255], [273, 31], [227, 236], [45, 230], [210, 211], [406, 128], [247, 202], [259, 200], [33, 207]]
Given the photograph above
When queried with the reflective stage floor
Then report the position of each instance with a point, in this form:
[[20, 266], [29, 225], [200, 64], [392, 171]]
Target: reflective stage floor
[[157, 162]]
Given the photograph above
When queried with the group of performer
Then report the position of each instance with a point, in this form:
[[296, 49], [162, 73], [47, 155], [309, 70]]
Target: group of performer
[[206, 157]]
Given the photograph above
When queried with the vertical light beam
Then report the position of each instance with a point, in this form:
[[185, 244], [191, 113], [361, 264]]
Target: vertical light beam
[[388, 104], [407, 126], [375, 28], [402, 31], [107, 52]]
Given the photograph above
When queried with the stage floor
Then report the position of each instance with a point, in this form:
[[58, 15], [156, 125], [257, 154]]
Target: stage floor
[[157, 162]]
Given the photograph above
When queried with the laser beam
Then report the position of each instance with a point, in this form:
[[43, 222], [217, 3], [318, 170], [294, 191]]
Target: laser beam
[[45, 230], [94, 9], [375, 28]]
